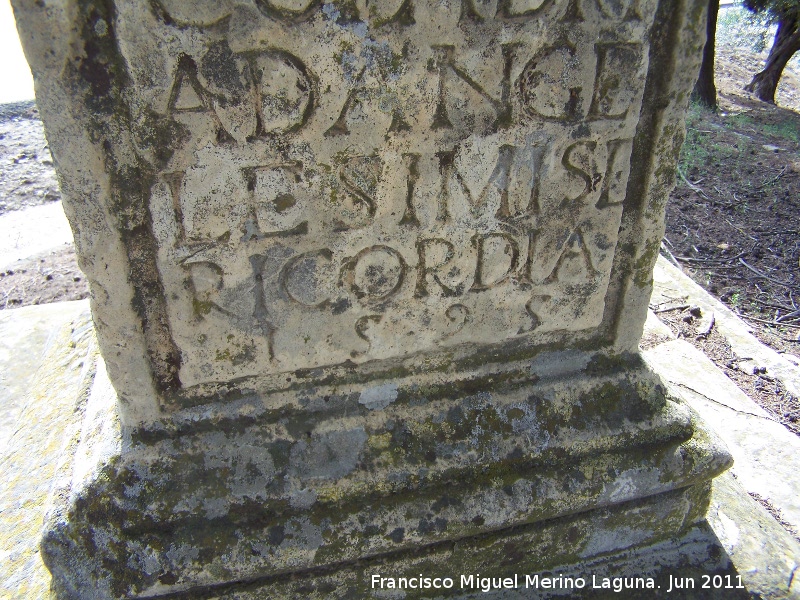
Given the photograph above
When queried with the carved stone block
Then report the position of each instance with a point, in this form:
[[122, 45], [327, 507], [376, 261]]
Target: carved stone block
[[290, 187], [346, 251]]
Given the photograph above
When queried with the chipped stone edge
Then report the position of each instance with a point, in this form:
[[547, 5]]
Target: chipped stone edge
[[765, 555]]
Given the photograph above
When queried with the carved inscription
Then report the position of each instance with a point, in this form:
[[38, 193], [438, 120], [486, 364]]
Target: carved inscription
[[402, 13], [367, 180], [249, 94]]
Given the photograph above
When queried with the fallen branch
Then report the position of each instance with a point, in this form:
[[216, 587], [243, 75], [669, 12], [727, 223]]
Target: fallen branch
[[773, 323], [709, 260], [791, 315], [669, 255], [742, 231], [762, 275], [705, 333], [671, 308], [697, 190], [788, 231], [719, 267], [740, 359], [768, 305], [766, 183]]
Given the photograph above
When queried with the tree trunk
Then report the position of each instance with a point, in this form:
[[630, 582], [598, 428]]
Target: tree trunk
[[705, 92], [787, 42]]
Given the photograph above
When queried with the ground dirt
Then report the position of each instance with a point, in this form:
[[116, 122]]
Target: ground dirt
[[757, 383], [733, 226], [776, 514], [48, 277], [27, 176], [27, 179]]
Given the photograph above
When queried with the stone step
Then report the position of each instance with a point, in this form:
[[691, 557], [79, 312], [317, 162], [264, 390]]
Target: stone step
[[52, 355], [26, 335], [766, 454]]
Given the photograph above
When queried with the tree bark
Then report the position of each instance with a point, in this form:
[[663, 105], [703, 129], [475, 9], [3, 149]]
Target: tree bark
[[705, 92], [787, 42]]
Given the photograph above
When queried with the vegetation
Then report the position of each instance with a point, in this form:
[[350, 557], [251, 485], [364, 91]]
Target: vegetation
[[732, 226], [731, 220], [786, 14], [736, 27]]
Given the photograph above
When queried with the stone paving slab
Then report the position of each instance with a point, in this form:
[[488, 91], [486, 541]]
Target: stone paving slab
[[762, 552], [671, 285], [766, 454], [48, 422], [26, 334]]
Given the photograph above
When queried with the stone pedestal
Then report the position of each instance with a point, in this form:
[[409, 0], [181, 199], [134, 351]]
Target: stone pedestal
[[368, 280], [494, 474]]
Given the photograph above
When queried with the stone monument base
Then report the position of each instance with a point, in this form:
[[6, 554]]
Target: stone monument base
[[518, 471], [505, 566]]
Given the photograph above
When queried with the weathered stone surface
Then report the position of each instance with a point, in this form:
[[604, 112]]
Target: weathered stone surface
[[762, 553], [368, 279], [270, 190], [26, 335], [46, 429], [765, 463], [322, 481], [748, 533]]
